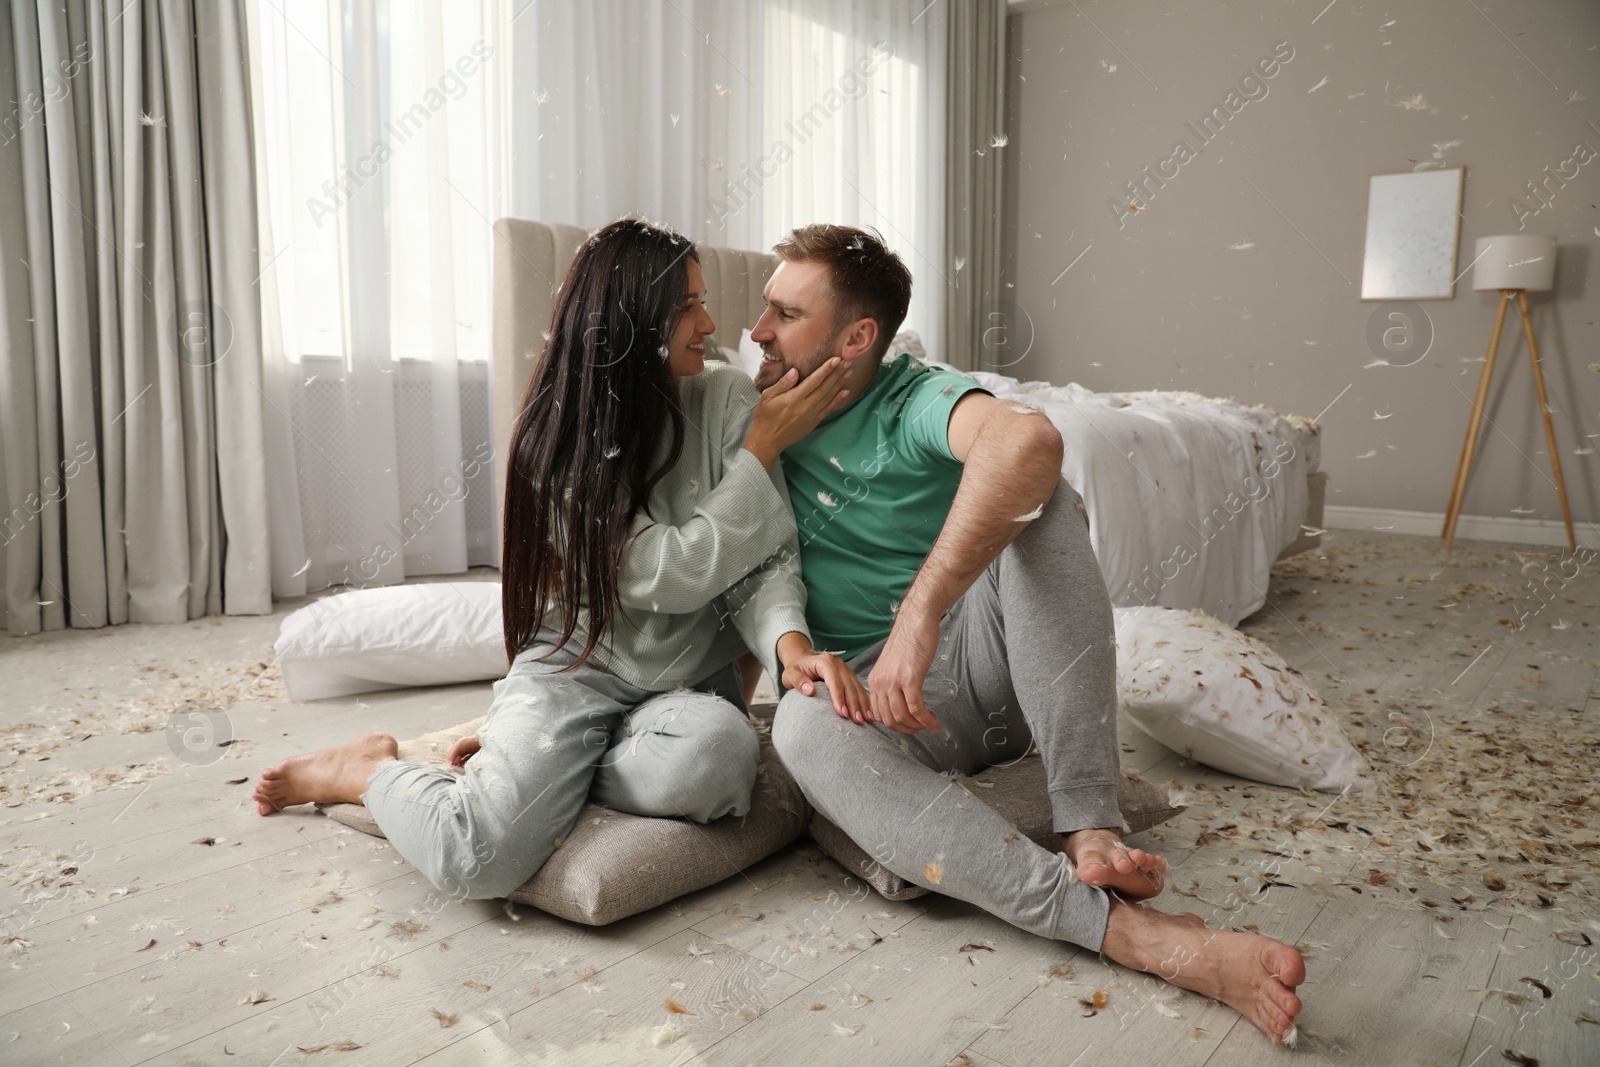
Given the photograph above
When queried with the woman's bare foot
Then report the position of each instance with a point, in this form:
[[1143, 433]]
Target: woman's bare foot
[[1103, 860], [1254, 975], [326, 776]]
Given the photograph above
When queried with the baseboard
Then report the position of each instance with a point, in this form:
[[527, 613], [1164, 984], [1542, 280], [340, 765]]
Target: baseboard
[[1468, 527]]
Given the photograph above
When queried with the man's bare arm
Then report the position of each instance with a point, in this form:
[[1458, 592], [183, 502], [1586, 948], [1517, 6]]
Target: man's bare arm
[[1012, 467]]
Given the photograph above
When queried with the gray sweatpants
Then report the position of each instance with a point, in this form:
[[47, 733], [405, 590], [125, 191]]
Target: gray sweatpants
[[552, 742], [1027, 655]]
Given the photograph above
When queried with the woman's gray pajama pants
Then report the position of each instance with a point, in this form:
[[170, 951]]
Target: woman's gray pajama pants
[[551, 743]]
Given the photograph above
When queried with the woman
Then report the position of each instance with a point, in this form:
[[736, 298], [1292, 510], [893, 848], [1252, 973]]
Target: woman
[[648, 541]]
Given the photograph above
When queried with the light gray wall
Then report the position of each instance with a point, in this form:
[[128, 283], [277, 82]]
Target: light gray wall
[[1159, 300]]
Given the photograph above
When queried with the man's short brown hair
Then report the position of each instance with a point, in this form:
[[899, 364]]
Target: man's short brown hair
[[867, 280]]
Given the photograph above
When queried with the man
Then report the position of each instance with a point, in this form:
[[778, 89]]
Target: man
[[945, 558]]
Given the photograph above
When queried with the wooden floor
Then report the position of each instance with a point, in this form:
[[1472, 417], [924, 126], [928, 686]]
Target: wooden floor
[[162, 921]]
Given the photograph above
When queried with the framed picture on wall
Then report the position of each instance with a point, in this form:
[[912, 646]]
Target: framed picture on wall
[[1413, 228]]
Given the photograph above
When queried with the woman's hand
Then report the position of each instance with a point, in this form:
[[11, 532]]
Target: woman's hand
[[463, 749], [804, 667], [788, 410]]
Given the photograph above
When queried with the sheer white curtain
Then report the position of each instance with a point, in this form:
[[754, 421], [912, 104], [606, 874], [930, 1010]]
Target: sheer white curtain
[[855, 92], [737, 121], [380, 165]]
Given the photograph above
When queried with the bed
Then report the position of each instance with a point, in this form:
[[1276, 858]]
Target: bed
[[1190, 499]]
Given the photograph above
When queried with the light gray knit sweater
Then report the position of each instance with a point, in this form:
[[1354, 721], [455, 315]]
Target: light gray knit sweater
[[713, 564]]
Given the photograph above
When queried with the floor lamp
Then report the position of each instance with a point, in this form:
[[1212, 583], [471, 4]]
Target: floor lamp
[[1512, 264]]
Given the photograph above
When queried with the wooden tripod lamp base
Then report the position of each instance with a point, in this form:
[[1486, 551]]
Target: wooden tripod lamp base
[[1511, 264]]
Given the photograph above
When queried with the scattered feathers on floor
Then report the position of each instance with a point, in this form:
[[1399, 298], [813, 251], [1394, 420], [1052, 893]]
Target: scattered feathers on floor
[[666, 1033]]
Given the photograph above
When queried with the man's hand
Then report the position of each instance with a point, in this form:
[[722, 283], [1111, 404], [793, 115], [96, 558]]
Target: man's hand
[[804, 667], [897, 678], [1012, 464]]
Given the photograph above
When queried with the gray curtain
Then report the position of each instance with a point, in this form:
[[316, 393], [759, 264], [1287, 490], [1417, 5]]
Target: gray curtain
[[132, 485], [975, 105]]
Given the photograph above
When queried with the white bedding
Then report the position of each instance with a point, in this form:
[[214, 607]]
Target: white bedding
[[1190, 499]]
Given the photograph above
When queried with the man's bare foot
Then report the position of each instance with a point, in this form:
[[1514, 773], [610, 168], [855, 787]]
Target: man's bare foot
[[1103, 860], [326, 776], [1254, 975]]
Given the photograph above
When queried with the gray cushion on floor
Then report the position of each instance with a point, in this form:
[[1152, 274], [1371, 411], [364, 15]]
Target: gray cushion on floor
[[1018, 793], [614, 865]]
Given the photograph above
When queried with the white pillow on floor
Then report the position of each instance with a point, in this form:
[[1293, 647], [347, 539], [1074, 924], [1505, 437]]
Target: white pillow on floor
[[1209, 692], [395, 637]]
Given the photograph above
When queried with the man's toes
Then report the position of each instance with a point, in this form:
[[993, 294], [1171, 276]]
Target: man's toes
[[1274, 1021], [1285, 964], [259, 795], [264, 802], [1149, 862]]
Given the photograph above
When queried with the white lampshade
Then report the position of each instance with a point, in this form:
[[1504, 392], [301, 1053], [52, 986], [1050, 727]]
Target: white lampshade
[[1515, 261]]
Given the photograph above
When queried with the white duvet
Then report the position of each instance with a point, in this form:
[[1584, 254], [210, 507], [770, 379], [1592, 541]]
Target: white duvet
[[1190, 499]]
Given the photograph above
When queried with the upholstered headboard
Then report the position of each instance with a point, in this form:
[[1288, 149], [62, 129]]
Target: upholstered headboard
[[530, 260]]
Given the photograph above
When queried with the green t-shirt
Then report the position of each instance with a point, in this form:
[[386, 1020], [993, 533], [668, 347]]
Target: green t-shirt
[[871, 487]]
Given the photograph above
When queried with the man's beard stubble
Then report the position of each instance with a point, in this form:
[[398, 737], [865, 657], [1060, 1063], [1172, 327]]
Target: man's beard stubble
[[769, 373]]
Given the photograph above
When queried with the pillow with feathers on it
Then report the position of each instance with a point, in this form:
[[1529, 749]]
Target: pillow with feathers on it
[[1221, 697]]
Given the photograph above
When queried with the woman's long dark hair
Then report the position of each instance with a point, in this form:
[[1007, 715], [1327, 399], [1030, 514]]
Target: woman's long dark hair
[[585, 446]]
